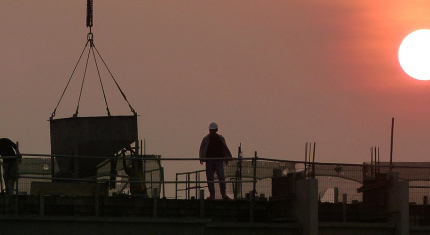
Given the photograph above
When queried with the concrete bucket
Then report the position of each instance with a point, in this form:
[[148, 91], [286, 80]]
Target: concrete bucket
[[90, 136]]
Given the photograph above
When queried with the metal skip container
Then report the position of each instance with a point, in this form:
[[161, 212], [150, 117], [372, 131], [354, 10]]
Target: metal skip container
[[90, 136]]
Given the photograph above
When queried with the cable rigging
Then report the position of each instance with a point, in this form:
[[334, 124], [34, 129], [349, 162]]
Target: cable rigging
[[92, 48]]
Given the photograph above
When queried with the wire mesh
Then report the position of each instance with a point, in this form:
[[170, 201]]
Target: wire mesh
[[39, 169]]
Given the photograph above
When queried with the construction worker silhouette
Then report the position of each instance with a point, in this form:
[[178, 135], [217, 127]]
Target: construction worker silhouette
[[11, 157], [214, 146]]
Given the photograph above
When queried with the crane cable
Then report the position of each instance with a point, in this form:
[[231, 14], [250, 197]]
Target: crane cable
[[67, 85], [90, 41]]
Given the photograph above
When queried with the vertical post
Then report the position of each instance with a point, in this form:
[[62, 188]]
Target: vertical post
[[135, 163], [236, 178], [176, 187], [202, 203], [344, 203], [197, 184], [391, 149], [371, 161], [154, 202], [188, 186], [239, 174], [17, 179], [251, 206], [306, 158], [336, 195], [398, 202], [137, 147], [252, 194], [141, 149], [254, 183], [52, 167], [162, 179], [152, 185], [313, 163], [379, 167], [305, 206]]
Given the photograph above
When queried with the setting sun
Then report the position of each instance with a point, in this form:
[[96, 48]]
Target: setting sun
[[414, 54]]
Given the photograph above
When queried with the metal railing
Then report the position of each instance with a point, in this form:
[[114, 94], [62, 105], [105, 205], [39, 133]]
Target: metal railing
[[249, 174], [188, 186]]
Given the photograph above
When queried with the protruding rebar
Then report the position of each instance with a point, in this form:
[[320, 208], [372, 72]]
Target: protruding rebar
[[391, 149]]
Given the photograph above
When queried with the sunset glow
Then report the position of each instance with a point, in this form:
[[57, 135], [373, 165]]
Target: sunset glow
[[273, 74]]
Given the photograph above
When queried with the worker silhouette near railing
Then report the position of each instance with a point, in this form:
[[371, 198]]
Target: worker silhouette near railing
[[135, 172], [214, 146], [9, 149]]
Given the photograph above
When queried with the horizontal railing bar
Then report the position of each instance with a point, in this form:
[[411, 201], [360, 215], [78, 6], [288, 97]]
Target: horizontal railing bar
[[190, 172], [229, 159], [129, 181]]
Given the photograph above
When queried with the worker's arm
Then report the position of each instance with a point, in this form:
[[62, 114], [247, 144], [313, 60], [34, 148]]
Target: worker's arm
[[18, 154], [226, 151], [202, 151]]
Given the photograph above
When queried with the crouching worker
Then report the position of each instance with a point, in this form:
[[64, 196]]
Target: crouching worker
[[214, 146], [9, 149], [135, 172]]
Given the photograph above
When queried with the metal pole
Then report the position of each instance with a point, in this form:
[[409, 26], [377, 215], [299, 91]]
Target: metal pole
[[251, 206], [379, 162], [371, 161], [152, 185], [344, 203], [154, 202], [313, 163], [336, 195], [197, 184], [17, 179], [162, 180], [255, 174], [52, 167], [391, 149], [141, 149], [188, 186], [306, 157], [202, 204], [176, 186], [1, 175]]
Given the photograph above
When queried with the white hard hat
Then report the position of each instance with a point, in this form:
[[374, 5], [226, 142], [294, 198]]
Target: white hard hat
[[213, 126]]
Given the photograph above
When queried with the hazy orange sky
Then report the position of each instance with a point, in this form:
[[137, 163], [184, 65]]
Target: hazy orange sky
[[273, 74]]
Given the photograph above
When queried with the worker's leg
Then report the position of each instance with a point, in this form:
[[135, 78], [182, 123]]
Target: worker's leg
[[219, 168], [6, 177], [9, 187], [6, 187], [10, 176], [210, 171]]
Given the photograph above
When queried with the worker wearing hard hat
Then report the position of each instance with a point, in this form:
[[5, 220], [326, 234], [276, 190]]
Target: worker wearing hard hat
[[213, 146]]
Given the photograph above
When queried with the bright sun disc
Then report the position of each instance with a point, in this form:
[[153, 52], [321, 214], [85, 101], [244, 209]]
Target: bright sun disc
[[414, 54]]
